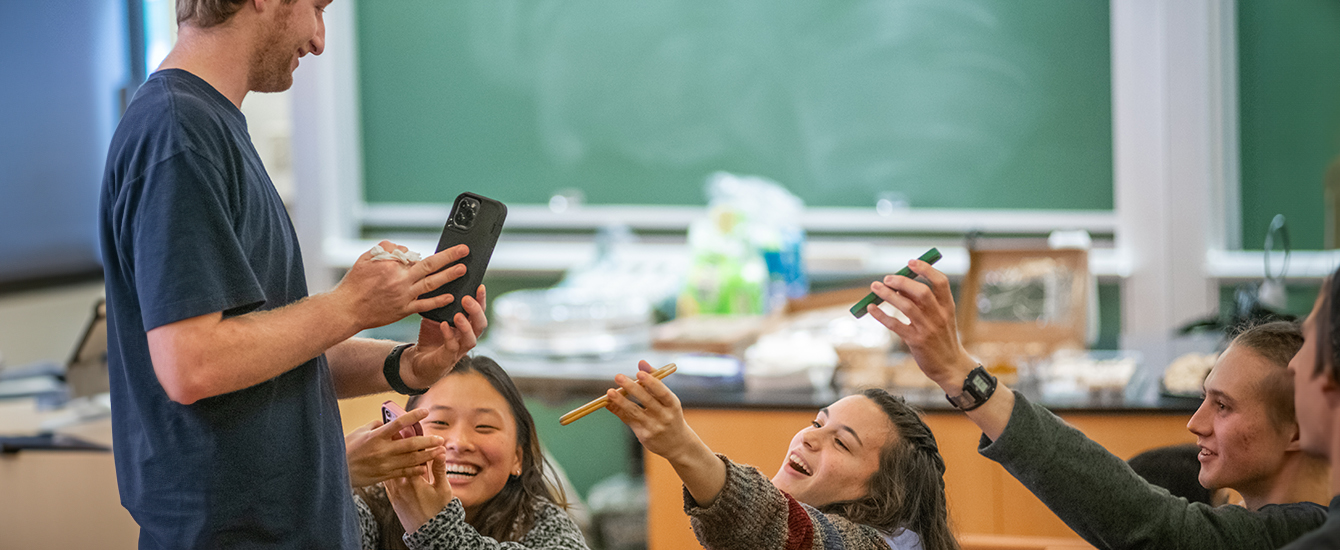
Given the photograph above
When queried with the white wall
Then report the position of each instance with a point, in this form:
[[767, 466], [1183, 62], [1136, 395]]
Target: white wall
[[270, 123]]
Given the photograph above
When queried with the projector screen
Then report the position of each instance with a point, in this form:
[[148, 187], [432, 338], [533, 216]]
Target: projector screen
[[65, 63]]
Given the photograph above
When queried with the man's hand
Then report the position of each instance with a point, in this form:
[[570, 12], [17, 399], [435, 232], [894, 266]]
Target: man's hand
[[210, 355], [374, 455], [417, 498], [931, 333], [441, 345], [381, 292]]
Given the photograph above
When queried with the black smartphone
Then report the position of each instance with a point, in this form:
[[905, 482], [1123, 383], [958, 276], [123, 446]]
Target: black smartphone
[[475, 221]]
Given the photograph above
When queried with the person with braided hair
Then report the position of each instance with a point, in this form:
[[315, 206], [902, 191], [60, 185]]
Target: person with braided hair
[[866, 474]]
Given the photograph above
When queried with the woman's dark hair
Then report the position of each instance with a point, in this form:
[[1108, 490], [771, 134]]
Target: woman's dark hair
[[510, 514], [1277, 342], [908, 489]]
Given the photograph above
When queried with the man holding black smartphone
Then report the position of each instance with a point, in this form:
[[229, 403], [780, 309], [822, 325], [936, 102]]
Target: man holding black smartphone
[[224, 372]]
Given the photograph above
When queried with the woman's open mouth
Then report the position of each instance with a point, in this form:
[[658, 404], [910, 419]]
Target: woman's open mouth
[[795, 463], [459, 470]]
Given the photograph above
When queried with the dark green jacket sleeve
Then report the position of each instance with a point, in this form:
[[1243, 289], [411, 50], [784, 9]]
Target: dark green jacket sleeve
[[1112, 507]]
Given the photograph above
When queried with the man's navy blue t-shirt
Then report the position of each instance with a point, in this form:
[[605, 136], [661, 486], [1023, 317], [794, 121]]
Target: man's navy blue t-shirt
[[191, 225]]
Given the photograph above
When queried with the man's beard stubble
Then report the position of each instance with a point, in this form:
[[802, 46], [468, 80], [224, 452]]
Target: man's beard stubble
[[271, 67]]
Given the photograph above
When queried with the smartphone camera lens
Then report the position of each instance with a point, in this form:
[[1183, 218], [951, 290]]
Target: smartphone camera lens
[[465, 212]]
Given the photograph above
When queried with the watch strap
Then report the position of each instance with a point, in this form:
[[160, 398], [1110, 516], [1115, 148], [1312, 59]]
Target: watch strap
[[391, 370]]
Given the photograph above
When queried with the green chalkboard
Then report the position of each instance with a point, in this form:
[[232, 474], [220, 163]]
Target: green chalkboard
[[951, 103], [1289, 100]]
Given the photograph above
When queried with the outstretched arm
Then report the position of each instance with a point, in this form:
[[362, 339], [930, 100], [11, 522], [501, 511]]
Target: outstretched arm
[[659, 424], [733, 506], [932, 335], [211, 355], [1089, 488]]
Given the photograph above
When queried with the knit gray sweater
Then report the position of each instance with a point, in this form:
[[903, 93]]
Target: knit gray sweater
[[1112, 507]]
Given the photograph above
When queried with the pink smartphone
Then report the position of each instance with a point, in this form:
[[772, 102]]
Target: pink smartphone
[[391, 411]]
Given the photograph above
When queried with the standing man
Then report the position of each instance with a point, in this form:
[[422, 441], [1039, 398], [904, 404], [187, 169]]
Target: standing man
[[224, 372]]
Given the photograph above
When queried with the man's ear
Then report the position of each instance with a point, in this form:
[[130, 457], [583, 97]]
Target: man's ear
[[1294, 443]]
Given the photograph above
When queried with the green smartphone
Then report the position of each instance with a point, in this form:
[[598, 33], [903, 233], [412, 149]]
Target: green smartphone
[[931, 256]]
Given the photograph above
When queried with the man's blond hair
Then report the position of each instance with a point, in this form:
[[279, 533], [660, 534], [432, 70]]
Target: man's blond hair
[[209, 13]]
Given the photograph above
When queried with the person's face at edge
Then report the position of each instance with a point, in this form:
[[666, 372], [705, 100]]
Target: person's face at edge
[[479, 433], [833, 459], [291, 31], [1241, 447], [1314, 416]]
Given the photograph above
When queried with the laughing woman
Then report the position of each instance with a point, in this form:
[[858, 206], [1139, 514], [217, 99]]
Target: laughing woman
[[486, 488], [866, 474]]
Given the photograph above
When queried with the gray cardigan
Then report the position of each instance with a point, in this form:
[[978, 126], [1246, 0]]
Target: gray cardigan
[[1111, 506]]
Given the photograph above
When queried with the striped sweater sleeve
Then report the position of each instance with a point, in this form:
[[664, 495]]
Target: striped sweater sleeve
[[751, 514]]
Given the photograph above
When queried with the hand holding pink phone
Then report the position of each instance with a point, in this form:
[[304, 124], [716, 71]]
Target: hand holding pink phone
[[392, 411]]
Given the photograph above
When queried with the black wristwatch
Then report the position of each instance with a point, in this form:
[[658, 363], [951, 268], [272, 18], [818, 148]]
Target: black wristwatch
[[391, 370], [976, 390]]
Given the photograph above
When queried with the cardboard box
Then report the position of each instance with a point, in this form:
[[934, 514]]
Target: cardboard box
[[1017, 306]]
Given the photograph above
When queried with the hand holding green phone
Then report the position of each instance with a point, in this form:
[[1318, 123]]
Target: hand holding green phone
[[931, 256]]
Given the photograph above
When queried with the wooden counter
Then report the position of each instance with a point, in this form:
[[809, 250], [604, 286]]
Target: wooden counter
[[60, 499]]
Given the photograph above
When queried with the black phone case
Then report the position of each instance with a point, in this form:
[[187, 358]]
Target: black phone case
[[481, 236]]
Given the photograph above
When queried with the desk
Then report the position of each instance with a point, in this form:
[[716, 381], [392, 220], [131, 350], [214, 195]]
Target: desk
[[61, 499]]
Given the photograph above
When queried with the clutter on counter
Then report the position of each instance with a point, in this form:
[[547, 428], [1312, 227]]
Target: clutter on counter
[[747, 254], [1186, 374], [567, 322]]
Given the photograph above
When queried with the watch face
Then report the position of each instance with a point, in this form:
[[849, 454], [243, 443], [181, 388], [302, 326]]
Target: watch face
[[979, 384], [976, 390]]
